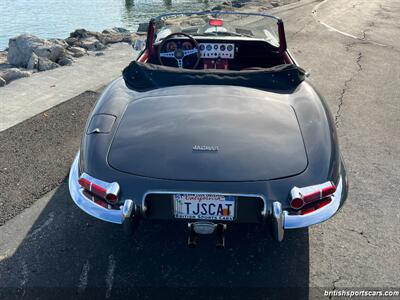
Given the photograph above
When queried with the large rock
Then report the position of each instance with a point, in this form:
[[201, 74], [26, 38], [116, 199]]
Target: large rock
[[83, 33], [77, 51], [21, 48], [94, 41], [25, 50], [3, 58], [91, 43], [60, 42], [11, 74], [33, 62], [112, 38], [57, 52], [71, 41], [116, 35], [45, 64], [42, 51], [119, 30], [65, 61]]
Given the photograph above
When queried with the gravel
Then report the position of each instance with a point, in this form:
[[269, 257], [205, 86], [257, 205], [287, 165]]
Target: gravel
[[36, 154]]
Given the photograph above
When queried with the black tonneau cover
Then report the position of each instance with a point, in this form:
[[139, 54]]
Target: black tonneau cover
[[143, 77]]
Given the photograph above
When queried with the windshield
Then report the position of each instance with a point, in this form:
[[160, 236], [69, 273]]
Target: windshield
[[219, 24]]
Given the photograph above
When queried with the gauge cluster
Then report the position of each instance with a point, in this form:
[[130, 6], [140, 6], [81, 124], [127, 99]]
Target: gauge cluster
[[217, 50]]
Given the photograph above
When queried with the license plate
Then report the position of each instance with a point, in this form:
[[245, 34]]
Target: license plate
[[204, 207]]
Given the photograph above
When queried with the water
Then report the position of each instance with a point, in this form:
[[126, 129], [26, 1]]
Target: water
[[57, 18]]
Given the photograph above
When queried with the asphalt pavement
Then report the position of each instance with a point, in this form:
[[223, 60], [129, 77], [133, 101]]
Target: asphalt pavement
[[351, 49]]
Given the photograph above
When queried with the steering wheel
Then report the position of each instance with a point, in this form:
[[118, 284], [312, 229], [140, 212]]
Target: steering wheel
[[179, 53]]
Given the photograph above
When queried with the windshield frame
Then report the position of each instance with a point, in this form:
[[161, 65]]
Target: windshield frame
[[153, 21], [158, 18], [217, 14]]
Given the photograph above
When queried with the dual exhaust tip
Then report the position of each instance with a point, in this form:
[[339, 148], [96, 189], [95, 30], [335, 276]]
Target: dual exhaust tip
[[197, 228]]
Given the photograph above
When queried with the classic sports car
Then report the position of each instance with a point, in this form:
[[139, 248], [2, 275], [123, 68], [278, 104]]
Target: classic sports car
[[213, 124]]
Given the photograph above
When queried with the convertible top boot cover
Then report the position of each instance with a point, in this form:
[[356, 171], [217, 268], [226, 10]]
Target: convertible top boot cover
[[143, 77], [209, 133]]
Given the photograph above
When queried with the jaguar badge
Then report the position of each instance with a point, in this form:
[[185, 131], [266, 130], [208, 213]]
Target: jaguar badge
[[204, 148]]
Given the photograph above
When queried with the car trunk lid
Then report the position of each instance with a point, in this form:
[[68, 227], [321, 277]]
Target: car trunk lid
[[215, 137]]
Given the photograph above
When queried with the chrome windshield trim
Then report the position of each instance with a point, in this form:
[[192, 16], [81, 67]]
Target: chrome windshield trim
[[318, 216], [87, 205], [263, 211]]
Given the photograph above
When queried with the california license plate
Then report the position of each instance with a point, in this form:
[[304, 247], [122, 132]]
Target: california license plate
[[204, 207]]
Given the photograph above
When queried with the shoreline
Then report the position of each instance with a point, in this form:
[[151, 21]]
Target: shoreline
[[27, 54]]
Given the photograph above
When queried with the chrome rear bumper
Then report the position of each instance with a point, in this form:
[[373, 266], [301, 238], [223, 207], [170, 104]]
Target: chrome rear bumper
[[281, 218], [318, 216], [116, 216]]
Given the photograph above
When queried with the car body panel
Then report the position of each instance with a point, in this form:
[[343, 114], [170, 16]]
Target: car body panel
[[238, 138], [315, 122]]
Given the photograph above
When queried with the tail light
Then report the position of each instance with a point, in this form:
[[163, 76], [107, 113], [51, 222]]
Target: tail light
[[104, 190], [316, 206], [310, 194]]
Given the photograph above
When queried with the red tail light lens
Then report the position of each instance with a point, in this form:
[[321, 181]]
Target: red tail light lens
[[313, 196], [112, 198], [316, 206], [98, 190], [104, 190], [328, 190], [310, 194], [297, 203], [84, 183], [216, 22]]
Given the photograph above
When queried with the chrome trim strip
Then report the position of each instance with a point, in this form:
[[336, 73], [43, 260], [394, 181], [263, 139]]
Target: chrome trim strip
[[263, 211], [88, 206], [318, 216]]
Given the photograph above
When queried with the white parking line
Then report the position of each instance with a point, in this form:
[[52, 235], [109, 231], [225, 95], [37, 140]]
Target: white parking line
[[110, 275], [83, 278]]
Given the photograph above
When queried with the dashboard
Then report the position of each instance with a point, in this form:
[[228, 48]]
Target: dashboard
[[217, 50], [222, 54]]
